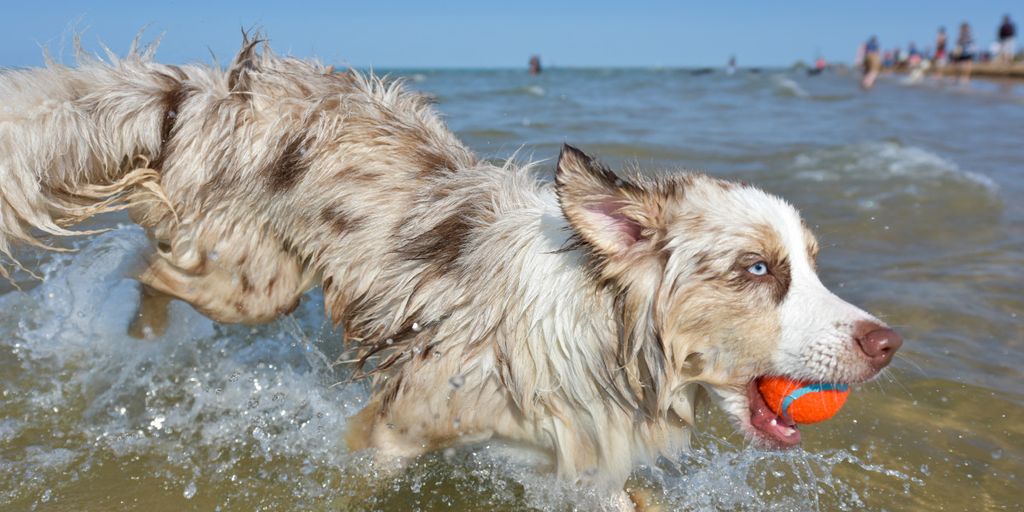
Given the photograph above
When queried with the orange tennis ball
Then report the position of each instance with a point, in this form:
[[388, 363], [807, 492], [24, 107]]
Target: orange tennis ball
[[803, 402]]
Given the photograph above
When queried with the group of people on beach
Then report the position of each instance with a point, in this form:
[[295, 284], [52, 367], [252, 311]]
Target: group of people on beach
[[962, 55]]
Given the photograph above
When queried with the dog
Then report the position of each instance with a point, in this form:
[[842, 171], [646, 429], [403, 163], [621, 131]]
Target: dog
[[586, 316]]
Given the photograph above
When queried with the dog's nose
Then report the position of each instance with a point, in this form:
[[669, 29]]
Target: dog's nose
[[878, 343]]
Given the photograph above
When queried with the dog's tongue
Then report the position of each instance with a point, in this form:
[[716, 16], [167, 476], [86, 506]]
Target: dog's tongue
[[781, 430]]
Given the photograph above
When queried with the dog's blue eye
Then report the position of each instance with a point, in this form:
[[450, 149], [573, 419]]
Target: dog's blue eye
[[758, 269]]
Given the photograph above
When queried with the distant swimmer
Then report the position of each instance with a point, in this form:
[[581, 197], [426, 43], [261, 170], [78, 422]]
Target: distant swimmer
[[535, 65], [731, 68], [819, 66], [872, 63]]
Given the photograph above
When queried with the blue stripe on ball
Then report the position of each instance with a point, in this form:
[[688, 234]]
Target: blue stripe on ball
[[810, 388]]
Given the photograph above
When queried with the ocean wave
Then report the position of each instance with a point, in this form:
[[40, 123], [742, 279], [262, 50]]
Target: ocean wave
[[883, 161], [786, 86]]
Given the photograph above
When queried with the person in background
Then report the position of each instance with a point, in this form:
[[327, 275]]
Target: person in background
[[918, 65], [913, 56], [963, 53], [872, 63], [1007, 34], [940, 58], [535, 65]]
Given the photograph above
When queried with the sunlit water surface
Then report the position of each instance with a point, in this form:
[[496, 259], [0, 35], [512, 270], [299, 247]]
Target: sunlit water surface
[[914, 190]]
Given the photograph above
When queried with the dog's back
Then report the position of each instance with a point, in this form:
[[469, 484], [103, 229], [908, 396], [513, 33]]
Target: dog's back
[[251, 181]]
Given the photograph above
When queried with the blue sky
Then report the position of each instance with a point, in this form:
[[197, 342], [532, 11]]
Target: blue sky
[[467, 33]]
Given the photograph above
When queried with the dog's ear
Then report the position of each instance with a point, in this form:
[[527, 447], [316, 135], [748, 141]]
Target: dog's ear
[[609, 213]]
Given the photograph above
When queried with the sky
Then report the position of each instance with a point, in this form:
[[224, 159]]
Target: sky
[[480, 34]]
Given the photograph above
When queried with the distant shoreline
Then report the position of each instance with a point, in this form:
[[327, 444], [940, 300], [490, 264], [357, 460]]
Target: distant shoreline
[[988, 70]]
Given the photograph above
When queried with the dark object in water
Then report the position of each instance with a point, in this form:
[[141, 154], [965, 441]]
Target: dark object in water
[[535, 65], [702, 71], [814, 71], [754, 70]]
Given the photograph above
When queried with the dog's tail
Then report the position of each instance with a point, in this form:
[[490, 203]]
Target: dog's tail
[[76, 142]]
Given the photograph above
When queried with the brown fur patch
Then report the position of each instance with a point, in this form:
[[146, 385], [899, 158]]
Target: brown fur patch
[[441, 245], [246, 283], [432, 161], [172, 101], [339, 220], [782, 274], [289, 167]]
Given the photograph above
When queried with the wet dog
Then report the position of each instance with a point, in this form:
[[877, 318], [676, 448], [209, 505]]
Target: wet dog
[[585, 315]]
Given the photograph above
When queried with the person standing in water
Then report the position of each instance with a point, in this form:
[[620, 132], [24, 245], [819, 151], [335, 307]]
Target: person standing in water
[[535, 65], [872, 63], [940, 58], [963, 54]]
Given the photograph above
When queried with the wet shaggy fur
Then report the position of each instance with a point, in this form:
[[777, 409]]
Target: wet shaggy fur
[[584, 316]]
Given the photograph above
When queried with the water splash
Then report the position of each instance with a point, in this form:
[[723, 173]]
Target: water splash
[[244, 417]]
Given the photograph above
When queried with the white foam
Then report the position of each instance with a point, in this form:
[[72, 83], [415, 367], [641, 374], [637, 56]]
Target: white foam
[[789, 86], [880, 161], [535, 90]]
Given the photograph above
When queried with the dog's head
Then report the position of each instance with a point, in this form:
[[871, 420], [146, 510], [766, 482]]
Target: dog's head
[[716, 287]]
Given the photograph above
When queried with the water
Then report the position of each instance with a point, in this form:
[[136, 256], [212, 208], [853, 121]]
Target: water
[[913, 190]]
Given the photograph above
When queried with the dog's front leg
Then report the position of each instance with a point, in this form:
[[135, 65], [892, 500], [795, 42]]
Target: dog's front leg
[[151, 319], [641, 499]]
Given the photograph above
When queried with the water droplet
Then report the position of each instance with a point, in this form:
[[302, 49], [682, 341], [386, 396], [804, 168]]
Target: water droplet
[[158, 422], [190, 491], [457, 381], [416, 327], [389, 341], [46, 495], [997, 454]]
